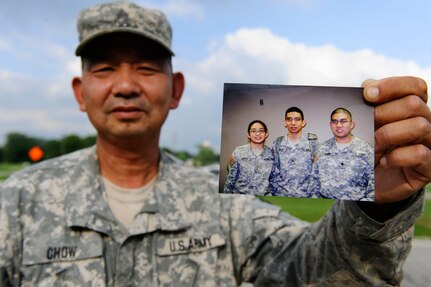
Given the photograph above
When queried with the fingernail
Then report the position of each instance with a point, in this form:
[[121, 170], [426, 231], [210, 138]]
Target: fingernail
[[372, 93], [384, 162]]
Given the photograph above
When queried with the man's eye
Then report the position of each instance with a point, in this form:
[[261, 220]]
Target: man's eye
[[99, 69], [148, 69]]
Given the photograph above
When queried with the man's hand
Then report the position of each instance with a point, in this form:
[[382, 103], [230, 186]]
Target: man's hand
[[402, 136]]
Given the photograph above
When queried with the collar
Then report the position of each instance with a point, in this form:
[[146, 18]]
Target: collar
[[86, 207]]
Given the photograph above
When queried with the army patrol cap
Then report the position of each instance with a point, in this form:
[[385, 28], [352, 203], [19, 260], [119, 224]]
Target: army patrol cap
[[123, 17]]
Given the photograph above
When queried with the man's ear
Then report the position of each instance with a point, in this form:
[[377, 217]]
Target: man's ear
[[178, 85], [77, 91], [304, 123], [352, 125]]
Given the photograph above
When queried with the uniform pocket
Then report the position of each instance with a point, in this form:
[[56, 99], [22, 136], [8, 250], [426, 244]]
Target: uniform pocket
[[45, 250], [188, 260], [68, 261]]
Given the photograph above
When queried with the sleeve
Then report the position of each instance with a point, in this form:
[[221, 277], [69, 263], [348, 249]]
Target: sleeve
[[275, 150], [232, 175], [10, 253], [314, 183], [274, 177], [346, 247], [369, 194]]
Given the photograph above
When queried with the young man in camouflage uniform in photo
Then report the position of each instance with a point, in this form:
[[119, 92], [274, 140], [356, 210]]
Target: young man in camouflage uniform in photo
[[293, 157], [124, 213], [344, 168]]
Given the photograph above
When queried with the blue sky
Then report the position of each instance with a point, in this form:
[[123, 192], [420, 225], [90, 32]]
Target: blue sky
[[311, 42]]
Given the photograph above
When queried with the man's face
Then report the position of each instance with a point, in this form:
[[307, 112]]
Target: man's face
[[341, 125], [257, 133], [125, 91], [294, 122]]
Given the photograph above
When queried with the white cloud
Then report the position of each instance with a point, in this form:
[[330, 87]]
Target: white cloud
[[46, 105], [74, 66], [61, 86], [259, 56], [303, 3], [4, 45], [25, 47], [181, 8], [14, 84], [43, 120]]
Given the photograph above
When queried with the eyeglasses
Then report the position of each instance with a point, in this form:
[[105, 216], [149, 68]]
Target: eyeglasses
[[342, 122], [291, 119], [261, 131]]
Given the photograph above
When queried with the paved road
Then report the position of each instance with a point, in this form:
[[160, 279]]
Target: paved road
[[417, 269]]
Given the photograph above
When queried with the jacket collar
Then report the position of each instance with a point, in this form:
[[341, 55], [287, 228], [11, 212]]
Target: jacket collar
[[86, 207]]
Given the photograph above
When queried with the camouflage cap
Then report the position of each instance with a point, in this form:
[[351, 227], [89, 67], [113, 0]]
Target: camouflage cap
[[123, 17]]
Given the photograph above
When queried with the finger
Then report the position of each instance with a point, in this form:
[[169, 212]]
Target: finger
[[388, 89], [402, 172], [403, 157], [406, 168], [401, 109], [409, 131], [392, 185]]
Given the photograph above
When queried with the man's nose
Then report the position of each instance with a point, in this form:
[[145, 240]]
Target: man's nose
[[125, 84]]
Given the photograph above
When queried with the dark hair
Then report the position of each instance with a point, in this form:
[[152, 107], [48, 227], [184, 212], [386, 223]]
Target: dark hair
[[294, 109], [257, 121], [341, 110]]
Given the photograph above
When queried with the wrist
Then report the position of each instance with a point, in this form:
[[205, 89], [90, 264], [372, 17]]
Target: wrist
[[386, 211]]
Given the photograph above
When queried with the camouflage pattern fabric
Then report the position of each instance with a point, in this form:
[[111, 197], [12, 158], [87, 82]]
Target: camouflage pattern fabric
[[292, 166], [346, 173], [56, 229], [121, 16], [248, 173]]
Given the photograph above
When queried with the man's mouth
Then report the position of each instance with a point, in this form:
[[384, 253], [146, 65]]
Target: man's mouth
[[127, 112]]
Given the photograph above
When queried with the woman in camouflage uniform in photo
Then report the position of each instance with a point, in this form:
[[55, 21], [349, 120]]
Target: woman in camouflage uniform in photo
[[250, 165]]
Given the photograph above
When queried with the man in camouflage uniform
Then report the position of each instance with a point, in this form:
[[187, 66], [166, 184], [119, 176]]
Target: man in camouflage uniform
[[293, 157], [344, 168], [59, 220]]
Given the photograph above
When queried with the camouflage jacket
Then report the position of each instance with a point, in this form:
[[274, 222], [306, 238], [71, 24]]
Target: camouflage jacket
[[293, 165], [56, 229], [346, 173], [249, 173]]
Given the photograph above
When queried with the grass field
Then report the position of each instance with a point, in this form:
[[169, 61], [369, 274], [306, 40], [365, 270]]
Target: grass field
[[8, 168], [423, 226], [306, 209], [313, 209]]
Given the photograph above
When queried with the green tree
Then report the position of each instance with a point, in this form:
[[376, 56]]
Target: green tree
[[182, 155], [71, 143], [52, 148], [205, 156], [17, 146], [89, 141]]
